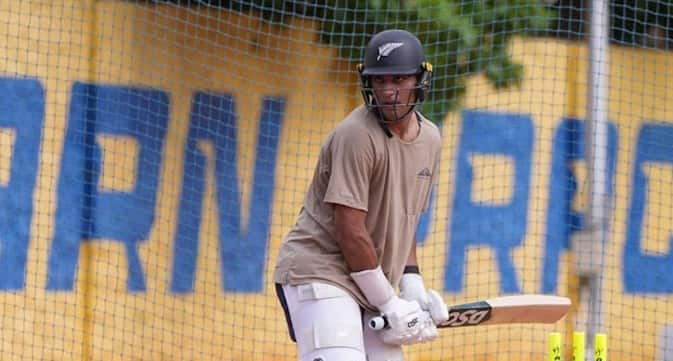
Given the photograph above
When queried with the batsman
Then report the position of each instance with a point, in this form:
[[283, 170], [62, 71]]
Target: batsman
[[353, 243]]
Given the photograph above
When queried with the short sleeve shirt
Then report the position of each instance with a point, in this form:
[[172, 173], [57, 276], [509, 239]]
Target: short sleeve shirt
[[359, 166]]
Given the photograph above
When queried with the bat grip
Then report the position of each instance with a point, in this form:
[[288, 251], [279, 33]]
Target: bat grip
[[378, 323]]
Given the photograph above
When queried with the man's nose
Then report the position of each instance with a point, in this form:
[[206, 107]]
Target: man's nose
[[390, 91]]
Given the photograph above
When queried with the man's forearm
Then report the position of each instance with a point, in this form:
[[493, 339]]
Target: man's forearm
[[412, 260], [358, 250], [353, 239]]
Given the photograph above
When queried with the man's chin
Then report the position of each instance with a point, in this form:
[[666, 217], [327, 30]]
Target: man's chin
[[394, 116]]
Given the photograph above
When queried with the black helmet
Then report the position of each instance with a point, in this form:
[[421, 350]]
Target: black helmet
[[394, 52]]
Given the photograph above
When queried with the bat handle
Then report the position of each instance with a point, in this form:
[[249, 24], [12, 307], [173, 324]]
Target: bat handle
[[378, 323]]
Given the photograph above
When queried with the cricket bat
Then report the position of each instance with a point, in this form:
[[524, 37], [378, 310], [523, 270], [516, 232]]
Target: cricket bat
[[529, 308]]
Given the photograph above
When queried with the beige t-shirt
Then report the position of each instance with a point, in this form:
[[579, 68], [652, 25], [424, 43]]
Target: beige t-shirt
[[361, 167]]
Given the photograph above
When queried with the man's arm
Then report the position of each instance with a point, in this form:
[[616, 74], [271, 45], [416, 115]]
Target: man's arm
[[410, 324], [353, 238]]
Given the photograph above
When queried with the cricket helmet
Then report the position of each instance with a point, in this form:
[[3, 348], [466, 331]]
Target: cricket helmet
[[394, 52]]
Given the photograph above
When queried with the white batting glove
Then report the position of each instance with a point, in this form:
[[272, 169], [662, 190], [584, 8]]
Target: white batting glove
[[439, 311], [412, 288], [407, 322]]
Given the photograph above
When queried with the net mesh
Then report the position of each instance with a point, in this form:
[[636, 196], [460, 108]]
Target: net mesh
[[154, 154]]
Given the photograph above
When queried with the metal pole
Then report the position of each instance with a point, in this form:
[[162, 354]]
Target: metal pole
[[591, 247]]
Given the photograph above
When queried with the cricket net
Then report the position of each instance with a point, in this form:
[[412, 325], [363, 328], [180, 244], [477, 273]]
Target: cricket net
[[153, 154]]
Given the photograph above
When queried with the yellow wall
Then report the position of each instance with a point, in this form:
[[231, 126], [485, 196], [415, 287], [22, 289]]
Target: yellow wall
[[183, 50], [178, 51]]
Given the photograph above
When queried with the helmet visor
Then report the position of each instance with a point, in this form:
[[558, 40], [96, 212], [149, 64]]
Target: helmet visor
[[392, 104]]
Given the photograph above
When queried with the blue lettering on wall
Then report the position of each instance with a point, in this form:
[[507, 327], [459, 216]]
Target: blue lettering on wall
[[501, 227], [242, 252], [84, 212], [22, 109], [647, 273], [562, 221]]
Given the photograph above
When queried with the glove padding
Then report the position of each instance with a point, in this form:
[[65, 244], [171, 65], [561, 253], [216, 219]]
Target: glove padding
[[412, 288], [407, 323]]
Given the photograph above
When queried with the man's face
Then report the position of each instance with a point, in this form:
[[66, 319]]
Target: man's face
[[395, 94]]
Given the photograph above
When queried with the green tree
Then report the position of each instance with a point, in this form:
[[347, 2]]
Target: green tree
[[461, 38]]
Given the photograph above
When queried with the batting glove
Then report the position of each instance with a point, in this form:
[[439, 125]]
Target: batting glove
[[407, 322], [412, 288]]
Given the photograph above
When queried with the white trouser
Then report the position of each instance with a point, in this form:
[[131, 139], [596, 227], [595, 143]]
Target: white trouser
[[328, 326]]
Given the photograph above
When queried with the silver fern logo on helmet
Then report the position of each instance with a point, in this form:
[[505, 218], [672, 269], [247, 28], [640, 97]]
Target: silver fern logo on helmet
[[386, 49]]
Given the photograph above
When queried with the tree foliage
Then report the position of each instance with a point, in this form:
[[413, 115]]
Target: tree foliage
[[460, 37]]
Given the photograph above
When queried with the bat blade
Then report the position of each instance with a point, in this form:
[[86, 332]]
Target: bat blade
[[528, 308], [508, 309]]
